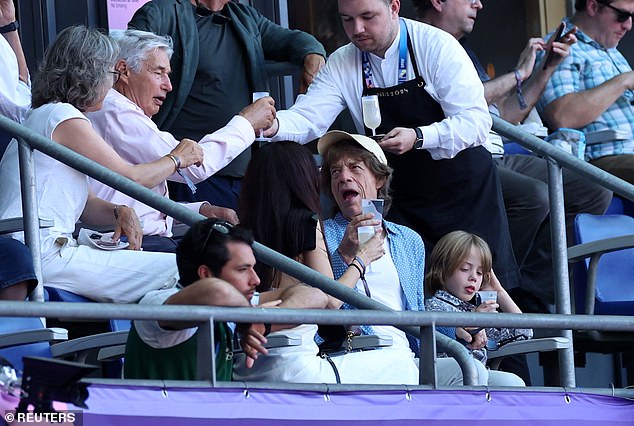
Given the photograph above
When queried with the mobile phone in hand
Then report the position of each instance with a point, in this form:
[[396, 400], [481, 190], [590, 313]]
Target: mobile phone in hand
[[483, 296], [374, 206], [558, 36]]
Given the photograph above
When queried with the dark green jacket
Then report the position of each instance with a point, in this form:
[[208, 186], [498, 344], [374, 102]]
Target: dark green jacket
[[262, 39], [177, 362]]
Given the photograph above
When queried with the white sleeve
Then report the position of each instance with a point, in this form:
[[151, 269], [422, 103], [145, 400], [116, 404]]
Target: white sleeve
[[151, 332], [15, 95], [451, 79], [313, 113]]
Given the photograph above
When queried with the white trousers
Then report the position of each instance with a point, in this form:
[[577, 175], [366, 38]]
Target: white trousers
[[120, 276]]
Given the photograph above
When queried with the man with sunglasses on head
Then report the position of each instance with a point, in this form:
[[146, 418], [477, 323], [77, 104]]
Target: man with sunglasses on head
[[593, 88], [216, 266]]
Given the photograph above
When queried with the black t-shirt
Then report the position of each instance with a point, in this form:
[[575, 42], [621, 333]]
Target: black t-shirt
[[220, 89]]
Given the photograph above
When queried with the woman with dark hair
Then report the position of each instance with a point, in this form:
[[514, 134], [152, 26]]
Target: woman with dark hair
[[280, 204], [76, 72], [279, 201]]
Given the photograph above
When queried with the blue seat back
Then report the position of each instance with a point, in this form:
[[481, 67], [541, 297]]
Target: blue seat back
[[512, 148], [14, 354], [58, 295], [615, 275], [620, 205]]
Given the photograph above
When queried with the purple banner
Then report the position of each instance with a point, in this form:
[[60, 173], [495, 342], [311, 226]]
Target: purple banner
[[139, 406]]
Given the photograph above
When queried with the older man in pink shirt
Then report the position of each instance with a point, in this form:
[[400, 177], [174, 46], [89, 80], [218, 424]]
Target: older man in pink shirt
[[141, 83]]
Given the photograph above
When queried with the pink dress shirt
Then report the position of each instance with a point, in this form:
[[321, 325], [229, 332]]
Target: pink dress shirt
[[137, 139]]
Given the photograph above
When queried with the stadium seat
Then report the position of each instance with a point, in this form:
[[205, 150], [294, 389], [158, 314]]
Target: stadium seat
[[26, 336], [602, 283]]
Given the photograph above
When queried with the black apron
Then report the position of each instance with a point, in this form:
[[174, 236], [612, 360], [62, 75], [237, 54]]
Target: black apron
[[435, 197]]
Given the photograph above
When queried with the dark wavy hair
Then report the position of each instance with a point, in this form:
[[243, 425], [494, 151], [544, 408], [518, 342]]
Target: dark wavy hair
[[348, 148], [279, 202], [75, 69], [205, 243]]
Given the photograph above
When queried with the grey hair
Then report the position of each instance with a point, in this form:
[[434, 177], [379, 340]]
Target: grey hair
[[354, 150], [75, 68], [135, 45]]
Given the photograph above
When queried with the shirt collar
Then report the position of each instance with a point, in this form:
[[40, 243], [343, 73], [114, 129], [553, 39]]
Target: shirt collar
[[117, 96], [453, 300], [392, 50]]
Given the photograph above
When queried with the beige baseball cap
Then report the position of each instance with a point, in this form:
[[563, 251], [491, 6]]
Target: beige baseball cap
[[334, 136]]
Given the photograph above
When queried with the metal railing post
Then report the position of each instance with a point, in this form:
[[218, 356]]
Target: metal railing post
[[30, 213], [206, 352], [427, 357], [560, 267]]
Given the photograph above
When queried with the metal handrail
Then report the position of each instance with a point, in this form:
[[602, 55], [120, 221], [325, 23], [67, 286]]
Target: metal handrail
[[563, 158], [557, 159], [305, 274], [96, 311], [185, 215]]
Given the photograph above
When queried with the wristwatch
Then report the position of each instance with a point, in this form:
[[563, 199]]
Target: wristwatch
[[418, 144], [10, 27]]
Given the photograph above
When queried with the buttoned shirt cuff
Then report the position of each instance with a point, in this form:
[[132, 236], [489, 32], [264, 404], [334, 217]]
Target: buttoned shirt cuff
[[194, 206]]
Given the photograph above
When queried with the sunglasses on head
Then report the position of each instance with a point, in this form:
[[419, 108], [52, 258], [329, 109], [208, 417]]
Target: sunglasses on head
[[621, 15], [220, 227]]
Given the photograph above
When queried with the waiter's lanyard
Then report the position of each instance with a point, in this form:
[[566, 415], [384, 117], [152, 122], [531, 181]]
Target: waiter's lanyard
[[402, 60]]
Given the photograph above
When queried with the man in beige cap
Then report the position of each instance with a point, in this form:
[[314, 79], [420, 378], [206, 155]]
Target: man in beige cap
[[354, 167]]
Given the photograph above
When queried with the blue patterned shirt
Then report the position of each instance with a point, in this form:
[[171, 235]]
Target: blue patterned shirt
[[443, 301], [408, 253], [587, 66]]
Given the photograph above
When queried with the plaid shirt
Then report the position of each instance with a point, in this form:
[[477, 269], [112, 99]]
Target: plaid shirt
[[587, 66]]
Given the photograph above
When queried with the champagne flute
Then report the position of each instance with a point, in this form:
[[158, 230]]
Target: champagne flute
[[371, 112], [256, 96]]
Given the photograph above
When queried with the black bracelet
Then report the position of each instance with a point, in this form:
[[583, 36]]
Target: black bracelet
[[518, 89], [358, 268], [358, 259], [13, 26], [361, 270]]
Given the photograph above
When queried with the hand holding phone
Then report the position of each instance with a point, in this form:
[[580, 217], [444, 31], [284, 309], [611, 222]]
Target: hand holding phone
[[559, 36], [375, 207], [483, 296]]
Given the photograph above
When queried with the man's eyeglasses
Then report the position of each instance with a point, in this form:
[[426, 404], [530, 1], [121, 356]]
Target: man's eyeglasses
[[116, 74], [221, 227], [621, 15]]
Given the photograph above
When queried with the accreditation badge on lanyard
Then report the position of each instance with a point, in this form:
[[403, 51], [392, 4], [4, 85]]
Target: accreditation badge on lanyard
[[402, 60]]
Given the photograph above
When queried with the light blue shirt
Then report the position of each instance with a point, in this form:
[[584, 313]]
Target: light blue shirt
[[408, 253], [587, 66]]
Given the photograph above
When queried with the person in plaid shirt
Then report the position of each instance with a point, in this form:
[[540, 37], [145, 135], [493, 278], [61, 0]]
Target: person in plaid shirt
[[593, 88]]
